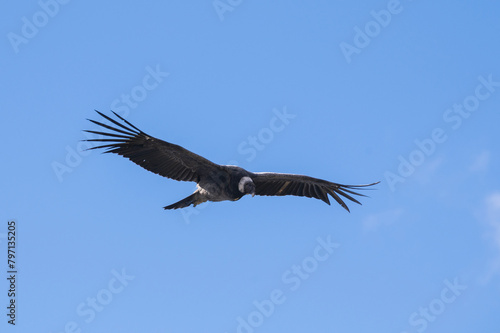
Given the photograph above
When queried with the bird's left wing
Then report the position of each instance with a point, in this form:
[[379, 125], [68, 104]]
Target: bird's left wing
[[158, 156], [269, 183]]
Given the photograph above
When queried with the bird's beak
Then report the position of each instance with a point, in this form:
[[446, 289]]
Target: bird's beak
[[253, 194]]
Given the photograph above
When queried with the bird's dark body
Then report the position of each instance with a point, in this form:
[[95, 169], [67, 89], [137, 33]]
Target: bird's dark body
[[222, 184], [215, 182]]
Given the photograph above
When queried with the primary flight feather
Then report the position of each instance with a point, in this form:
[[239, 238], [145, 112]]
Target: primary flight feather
[[215, 182]]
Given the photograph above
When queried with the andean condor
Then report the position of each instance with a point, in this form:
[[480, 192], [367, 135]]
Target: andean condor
[[215, 182]]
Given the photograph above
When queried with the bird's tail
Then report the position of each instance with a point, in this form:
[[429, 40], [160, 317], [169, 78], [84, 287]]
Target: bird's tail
[[194, 199]]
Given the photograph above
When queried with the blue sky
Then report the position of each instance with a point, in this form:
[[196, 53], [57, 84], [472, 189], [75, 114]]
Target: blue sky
[[405, 92]]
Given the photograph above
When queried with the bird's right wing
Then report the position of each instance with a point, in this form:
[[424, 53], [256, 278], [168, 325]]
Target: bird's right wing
[[158, 156]]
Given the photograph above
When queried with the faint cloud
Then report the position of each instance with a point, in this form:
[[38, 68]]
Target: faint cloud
[[430, 169], [481, 162], [375, 221], [408, 164], [433, 165], [493, 269], [492, 217]]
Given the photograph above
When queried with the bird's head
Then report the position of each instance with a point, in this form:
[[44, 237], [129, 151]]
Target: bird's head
[[246, 186]]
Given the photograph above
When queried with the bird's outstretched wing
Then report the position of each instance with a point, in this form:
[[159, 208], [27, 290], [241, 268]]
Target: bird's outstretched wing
[[269, 183], [163, 158]]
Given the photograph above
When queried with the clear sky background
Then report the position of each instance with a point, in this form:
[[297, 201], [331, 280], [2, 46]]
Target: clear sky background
[[406, 92]]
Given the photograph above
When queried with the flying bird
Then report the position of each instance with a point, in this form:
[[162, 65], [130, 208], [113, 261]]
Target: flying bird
[[214, 182]]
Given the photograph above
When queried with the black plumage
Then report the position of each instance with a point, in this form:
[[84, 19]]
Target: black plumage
[[215, 182]]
